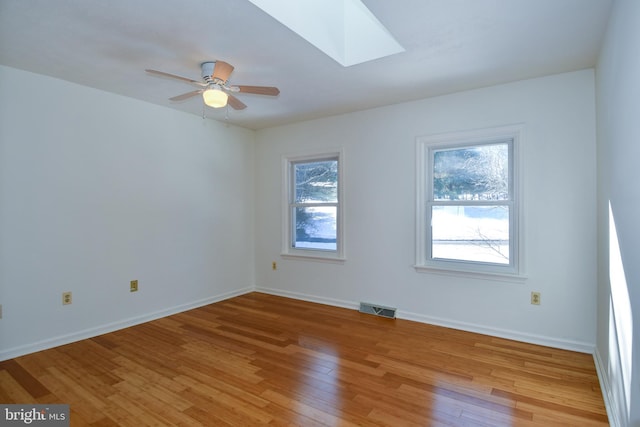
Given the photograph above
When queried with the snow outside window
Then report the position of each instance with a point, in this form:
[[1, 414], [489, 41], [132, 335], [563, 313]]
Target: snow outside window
[[467, 203], [313, 225]]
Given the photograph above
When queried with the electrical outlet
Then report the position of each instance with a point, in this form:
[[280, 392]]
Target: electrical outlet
[[535, 298], [274, 266], [133, 286], [66, 298]]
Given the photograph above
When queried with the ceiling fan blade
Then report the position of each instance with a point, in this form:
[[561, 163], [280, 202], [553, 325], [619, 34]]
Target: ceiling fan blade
[[185, 95], [222, 70], [260, 90], [173, 76], [235, 103]]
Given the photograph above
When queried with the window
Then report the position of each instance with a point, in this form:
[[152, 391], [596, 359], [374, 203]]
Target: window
[[468, 210], [313, 220]]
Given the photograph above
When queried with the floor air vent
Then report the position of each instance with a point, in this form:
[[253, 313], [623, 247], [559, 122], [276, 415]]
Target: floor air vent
[[378, 310]]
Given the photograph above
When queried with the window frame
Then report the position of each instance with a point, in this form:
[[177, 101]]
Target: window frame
[[425, 147], [289, 204]]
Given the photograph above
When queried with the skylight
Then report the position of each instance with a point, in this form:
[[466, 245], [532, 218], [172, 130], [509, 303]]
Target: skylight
[[345, 30]]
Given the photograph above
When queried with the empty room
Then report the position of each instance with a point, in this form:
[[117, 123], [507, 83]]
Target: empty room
[[346, 212]]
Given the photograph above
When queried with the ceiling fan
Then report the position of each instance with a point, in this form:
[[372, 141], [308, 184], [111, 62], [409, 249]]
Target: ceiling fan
[[215, 88]]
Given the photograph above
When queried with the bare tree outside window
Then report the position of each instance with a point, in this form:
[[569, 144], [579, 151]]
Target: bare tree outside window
[[470, 205], [315, 204]]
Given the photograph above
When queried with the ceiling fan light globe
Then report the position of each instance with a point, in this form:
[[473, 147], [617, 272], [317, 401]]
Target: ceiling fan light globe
[[215, 98]]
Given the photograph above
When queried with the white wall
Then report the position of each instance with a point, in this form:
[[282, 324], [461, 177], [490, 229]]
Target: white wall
[[558, 113], [98, 189], [618, 94]]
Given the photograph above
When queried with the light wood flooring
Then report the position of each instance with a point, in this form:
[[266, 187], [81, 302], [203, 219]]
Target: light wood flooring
[[259, 359]]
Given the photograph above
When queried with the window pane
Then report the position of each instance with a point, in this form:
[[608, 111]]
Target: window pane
[[472, 173], [471, 233], [315, 227], [316, 181]]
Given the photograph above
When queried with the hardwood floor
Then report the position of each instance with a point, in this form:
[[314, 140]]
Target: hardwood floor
[[259, 359]]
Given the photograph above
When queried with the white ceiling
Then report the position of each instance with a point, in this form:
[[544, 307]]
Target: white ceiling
[[451, 45]]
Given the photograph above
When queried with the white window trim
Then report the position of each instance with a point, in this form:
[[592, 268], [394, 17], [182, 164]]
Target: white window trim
[[515, 272], [289, 252]]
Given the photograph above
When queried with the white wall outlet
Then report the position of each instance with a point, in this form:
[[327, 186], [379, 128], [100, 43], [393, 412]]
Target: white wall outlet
[[535, 298]]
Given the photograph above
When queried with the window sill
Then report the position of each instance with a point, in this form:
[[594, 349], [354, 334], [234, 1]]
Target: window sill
[[314, 257], [483, 275]]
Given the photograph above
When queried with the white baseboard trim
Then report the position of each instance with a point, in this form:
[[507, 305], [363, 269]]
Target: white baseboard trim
[[607, 391], [111, 327], [581, 347], [310, 298]]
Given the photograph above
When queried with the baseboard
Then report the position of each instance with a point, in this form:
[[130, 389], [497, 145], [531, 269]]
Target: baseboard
[[310, 298], [111, 327], [581, 347], [607, 391]]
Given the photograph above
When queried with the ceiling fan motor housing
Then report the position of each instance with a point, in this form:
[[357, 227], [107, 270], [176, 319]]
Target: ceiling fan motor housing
[[207, 71]]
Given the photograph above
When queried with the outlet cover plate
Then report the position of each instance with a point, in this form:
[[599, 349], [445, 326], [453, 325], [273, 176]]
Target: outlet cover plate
[[535, 298]]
